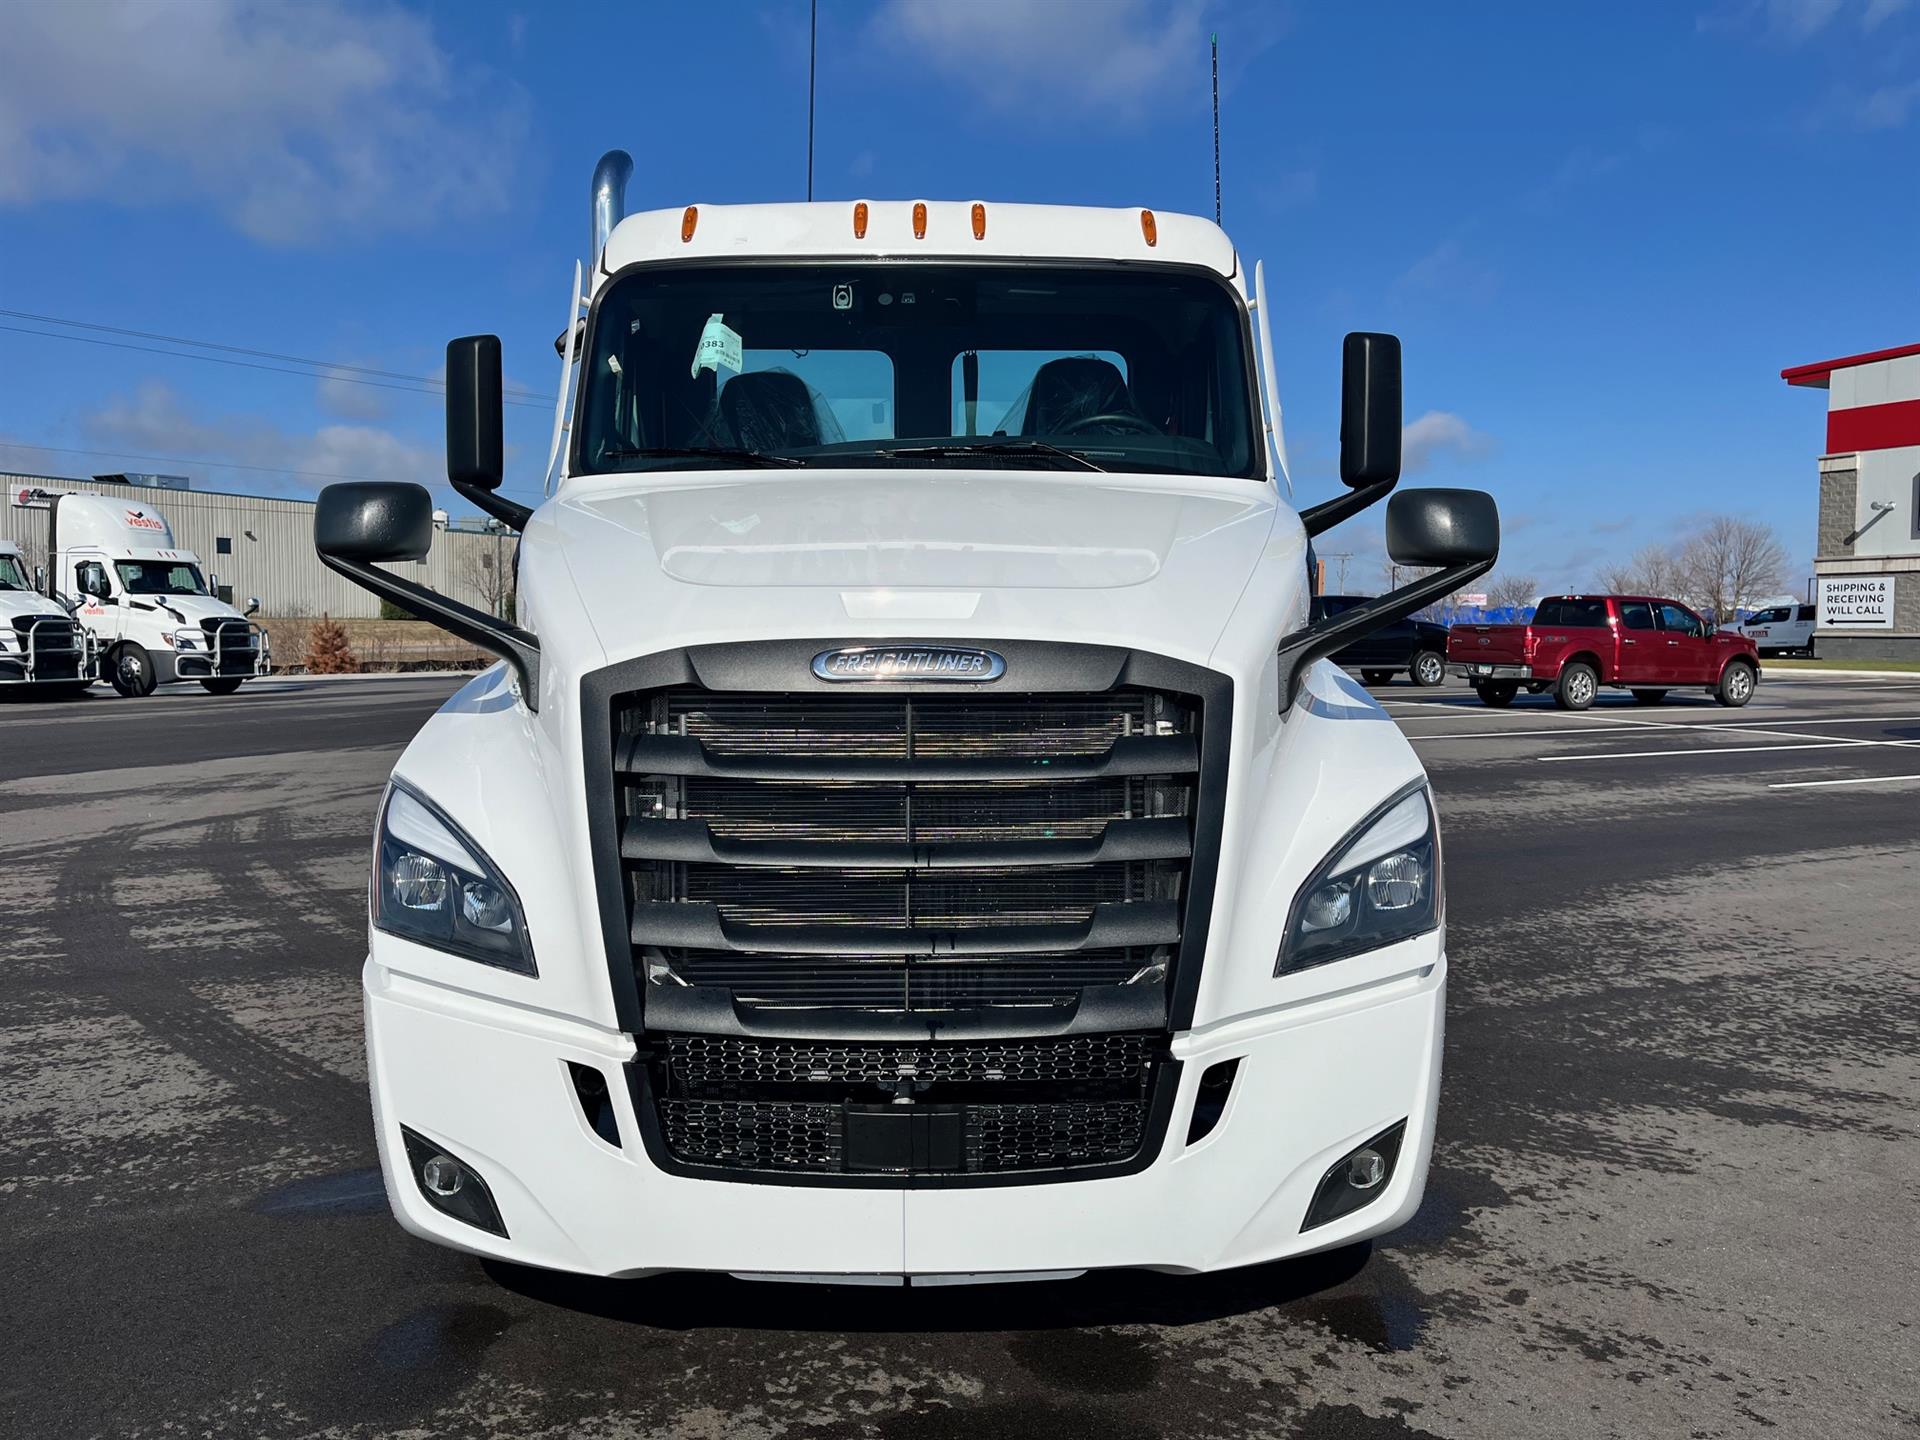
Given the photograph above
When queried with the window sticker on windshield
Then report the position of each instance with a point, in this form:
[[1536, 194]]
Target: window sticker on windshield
[[718, 346]]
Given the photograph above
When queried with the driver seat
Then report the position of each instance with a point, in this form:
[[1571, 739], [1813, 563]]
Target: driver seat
[[1071, 389]]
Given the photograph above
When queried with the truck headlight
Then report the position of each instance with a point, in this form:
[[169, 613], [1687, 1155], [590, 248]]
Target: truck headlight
[[1381, 884], [434, 886]]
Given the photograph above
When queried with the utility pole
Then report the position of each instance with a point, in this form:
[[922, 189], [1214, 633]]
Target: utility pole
[[1216, 127]]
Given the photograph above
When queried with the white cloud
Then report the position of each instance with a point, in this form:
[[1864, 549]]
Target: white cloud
[[1121, 57], [342, 394], [154, 420], [1886, 108], [1437, 433], [296, 122]]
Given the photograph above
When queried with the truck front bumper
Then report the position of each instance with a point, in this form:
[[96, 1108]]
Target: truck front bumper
[[1483, 671], [492, 1084]]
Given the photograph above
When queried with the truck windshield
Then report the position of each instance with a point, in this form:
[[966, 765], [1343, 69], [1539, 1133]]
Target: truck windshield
[[12, 576], [159, 577], [1108, 367]]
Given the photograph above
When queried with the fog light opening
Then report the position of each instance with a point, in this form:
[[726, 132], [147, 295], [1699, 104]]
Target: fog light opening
[[1357, 1178], [1366, 1169], [450, 1185]]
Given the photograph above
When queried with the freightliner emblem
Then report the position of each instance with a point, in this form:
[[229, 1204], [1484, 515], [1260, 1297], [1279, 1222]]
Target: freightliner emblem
[[904, 662]]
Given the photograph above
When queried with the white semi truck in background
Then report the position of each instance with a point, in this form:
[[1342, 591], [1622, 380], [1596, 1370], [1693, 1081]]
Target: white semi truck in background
[[917, 836], [42, 648], [153, 615]]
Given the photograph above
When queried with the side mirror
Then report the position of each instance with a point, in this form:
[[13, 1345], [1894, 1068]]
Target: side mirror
[[476, 449], [373, 521], [1453, 534], [362, 523], [253, 605], [1442, 528], [1370, 410], [96, 585], [1369, 428], [213, 584], [39, 579]]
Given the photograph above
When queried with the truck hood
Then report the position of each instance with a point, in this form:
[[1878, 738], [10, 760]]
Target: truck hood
[[27, 602], [1137, 560]]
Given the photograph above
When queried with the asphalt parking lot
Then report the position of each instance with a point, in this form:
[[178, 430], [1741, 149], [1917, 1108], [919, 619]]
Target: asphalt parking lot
[[1674, 1191]]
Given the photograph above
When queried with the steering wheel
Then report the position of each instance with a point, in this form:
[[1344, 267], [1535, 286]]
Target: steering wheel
[[1123, 421]]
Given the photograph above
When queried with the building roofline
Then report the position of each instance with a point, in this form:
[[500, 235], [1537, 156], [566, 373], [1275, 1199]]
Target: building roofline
[[1818, 373]]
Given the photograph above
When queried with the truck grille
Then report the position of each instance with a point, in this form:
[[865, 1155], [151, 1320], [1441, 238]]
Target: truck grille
[[905, 852], [231, 645], [906, 933], [54, 643], [848, 1108]]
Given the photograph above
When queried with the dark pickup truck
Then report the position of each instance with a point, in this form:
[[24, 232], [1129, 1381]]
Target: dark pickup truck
[[1418, 647], [1577, 643]]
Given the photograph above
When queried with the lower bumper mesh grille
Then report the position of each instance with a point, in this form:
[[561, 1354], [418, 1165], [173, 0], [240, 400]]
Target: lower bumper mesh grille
[[1000, 1107]]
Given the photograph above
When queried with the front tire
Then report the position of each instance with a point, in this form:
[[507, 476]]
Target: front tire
[[1577, 687], [130, 669], [1428, 669], [1497, 693], [1649, 697], [222, 684], [1736, 684]]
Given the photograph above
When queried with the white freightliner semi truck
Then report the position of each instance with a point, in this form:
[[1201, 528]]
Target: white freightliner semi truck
[[42, 649], [151, 613], [915, 833]]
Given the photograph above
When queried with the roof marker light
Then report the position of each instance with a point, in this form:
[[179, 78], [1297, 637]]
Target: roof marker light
[[979, 221], [1149, 228], [687, 222], [860, 220], [919, 219]]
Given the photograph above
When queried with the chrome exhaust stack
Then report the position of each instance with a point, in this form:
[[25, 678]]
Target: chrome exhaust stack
[[609, 199]]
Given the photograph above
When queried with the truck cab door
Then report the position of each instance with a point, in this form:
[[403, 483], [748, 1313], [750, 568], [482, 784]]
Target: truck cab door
[[105, 620], [1643, 651], [1688, 654]]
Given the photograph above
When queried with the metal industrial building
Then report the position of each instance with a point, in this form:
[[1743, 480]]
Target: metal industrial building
[[1867, 560], [263, 545]]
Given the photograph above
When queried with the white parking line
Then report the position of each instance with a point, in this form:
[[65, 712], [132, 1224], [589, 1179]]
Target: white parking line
[[1718, 750], [1861, 780]]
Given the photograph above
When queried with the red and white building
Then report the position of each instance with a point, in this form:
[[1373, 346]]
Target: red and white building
[[1867, 559]]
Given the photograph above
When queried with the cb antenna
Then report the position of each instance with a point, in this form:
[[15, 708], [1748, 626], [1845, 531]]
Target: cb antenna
[[813, 41], [1216, 127]]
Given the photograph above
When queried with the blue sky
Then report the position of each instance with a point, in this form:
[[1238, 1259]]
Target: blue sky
[[1601, 230]]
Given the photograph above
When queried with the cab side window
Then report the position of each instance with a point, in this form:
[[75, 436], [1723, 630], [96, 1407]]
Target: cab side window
[[1678, 620], [1636, 615]]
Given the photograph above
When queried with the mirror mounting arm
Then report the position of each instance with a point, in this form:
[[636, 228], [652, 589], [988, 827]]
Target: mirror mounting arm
[[1300, 649], [1329, 513], [519, 648], [511, 512]]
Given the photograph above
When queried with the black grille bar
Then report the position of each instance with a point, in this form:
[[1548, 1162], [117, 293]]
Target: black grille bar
[[679, 755], [697, 924], [1117, 840]]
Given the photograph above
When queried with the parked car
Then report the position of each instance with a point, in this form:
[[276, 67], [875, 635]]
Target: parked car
[[1578, 643], [1419, 647], [1785, 629]]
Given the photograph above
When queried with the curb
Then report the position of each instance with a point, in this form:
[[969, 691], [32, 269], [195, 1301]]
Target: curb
[[375, 675], [1776, 671]]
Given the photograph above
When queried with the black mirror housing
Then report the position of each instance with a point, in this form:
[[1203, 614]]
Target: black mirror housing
[[373, 521], [476, 445], [1370, 413], [1442, 527]]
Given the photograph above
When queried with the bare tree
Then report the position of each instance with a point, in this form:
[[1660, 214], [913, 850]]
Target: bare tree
[[1512, 592], [484, 571], [1729, 562], [1653, 570]]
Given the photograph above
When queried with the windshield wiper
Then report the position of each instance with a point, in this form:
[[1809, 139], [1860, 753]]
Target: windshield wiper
[[1026, 449], [701, 452]]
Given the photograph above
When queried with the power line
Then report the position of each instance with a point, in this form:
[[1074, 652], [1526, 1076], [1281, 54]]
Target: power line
[[213, 464], [336, 370]]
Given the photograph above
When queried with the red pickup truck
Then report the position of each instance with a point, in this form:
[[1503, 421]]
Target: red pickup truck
[[1577, 643]]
